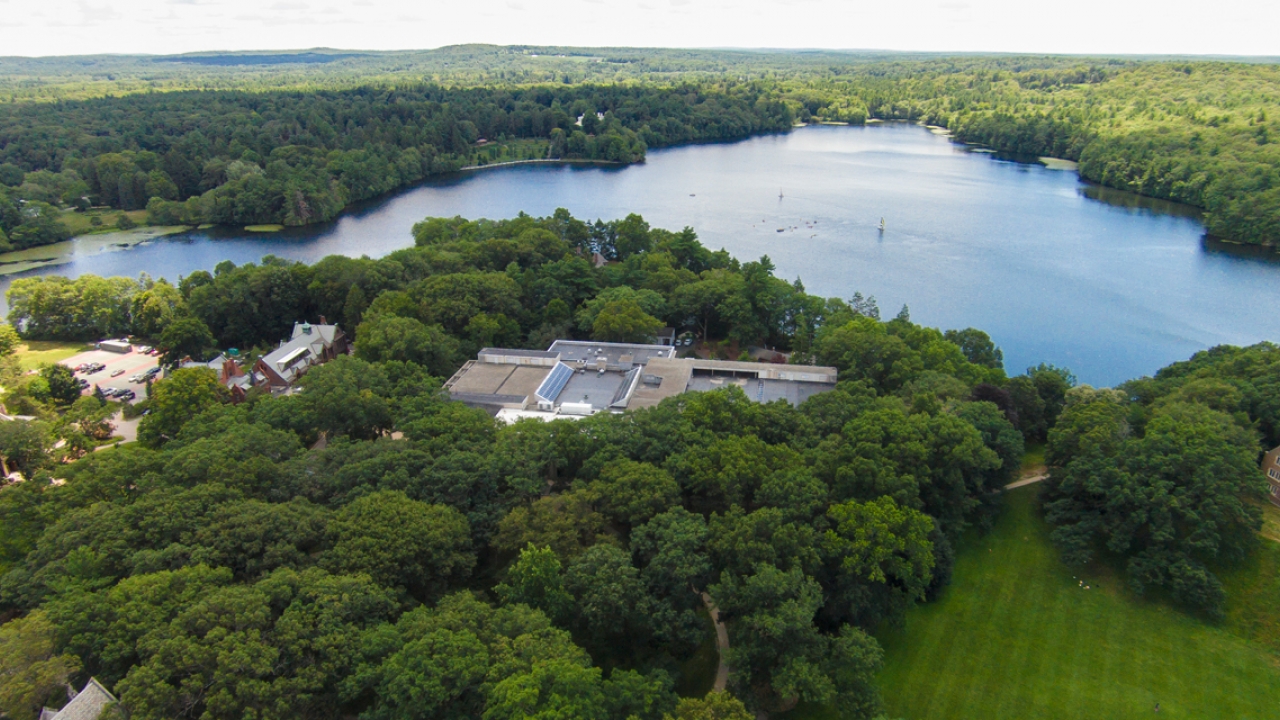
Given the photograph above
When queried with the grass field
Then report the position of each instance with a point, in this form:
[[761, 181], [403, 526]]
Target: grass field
[[1033, 459], [79, 222], [35, 353], [1015, 636]]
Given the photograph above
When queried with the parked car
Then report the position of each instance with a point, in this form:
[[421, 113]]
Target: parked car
[[117, 372], [144, 349], [126, 394]]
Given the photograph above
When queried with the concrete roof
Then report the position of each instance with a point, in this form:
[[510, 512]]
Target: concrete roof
[[675, 378], [503, 380], [615, 354], [518, 353]]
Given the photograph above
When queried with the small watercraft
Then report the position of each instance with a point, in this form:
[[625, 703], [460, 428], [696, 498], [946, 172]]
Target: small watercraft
[[881, 224]]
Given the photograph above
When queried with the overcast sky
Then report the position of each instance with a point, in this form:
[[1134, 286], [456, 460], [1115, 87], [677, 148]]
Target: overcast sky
[[66, 27]]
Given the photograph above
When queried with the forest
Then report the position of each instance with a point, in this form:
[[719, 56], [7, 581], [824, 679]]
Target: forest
[[299, 158], [369, 548], [251, 139]]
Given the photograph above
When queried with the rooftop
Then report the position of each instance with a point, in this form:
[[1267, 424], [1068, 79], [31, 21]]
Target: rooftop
[[616, 355], [579, 377]]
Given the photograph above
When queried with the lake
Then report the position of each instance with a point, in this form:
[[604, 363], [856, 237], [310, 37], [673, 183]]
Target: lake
[[1111, 285]]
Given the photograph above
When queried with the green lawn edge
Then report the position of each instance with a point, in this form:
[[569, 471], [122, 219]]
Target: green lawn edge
[[1017, 635]]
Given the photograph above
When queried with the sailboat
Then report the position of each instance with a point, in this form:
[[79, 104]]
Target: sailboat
[[779, 193], [881, 224]]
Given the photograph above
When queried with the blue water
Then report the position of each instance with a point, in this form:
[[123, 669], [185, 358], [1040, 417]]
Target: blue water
[[1112, 289]]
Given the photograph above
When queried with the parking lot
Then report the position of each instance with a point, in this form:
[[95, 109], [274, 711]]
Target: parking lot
[[131, 363]]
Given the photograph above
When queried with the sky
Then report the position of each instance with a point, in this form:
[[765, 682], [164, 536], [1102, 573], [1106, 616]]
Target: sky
[[77, 27]]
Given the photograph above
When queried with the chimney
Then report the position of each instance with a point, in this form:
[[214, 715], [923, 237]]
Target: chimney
[[230, 370]]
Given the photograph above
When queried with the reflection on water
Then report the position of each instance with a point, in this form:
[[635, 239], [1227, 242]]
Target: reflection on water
[[1134, 201], [1239, 250], [1107, 283]]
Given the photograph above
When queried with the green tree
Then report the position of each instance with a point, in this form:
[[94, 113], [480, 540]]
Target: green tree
[[64, 389], [1173, 502], [9, 340], [779, 656], [154, 308], [287, 641], [388, 337], [611, 605], [630, 492], [624, 321], [32, 673], [565, 522], [535, 579], [977, 347], [715, 706], [346, 396], [176, 400], [401, 542], [25, 444], [11, 175], [880, 542], [185, 337]]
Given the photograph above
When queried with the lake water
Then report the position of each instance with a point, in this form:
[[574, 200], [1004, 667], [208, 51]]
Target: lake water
[[1105, 283]]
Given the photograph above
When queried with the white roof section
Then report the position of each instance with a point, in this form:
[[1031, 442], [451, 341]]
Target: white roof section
[[308, 343], [88, 704]]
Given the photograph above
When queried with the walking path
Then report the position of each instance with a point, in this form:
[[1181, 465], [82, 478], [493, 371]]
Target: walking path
[[722, 645], [1033, 476]]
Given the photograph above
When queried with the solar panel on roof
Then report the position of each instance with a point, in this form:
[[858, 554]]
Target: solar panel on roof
[[554, 383]]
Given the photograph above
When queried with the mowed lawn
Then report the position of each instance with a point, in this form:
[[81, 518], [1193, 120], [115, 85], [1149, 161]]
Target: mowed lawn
[[1015, 636], [33, 354]]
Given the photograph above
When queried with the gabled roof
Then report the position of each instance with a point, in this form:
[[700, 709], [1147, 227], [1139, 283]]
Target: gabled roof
[[89, 704], [299, 352]]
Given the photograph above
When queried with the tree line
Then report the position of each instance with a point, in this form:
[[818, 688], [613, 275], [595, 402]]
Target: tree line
[[296, 158], [1193, 132]]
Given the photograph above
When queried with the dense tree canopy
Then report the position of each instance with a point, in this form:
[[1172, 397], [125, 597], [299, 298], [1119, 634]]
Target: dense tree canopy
[[1160, 472], [427, 561]]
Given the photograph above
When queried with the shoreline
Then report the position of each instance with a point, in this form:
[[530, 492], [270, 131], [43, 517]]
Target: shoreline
[[559, 161], [18, 261]]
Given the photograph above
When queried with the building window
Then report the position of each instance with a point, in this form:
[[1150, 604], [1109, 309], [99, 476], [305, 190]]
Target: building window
[[1274, 475]]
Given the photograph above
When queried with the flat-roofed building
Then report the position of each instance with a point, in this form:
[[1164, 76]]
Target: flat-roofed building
[[575, 378]]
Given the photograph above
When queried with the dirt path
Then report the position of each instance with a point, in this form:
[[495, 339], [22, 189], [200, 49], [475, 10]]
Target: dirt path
[[1033, 476], [722, 645]]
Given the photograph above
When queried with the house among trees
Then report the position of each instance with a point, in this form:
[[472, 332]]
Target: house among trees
[[575, 378], [1271, 466], [89, 704], [278, 370], [310, 345]]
